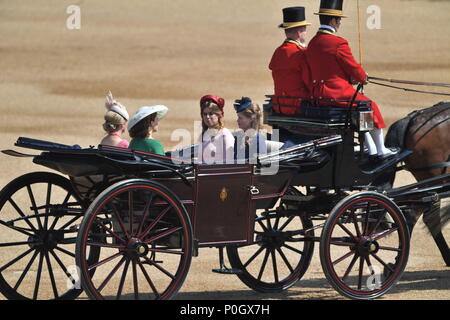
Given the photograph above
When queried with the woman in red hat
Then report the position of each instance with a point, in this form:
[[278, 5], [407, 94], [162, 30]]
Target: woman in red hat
[[217, 142]]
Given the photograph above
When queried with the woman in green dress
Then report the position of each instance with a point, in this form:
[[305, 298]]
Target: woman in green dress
[[143, 125]]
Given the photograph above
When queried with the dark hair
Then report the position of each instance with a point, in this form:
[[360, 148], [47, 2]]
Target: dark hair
[[141, 129], [326, 19]]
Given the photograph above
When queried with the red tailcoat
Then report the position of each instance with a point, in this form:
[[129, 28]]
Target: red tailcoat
[[286, 66], [332, 68]]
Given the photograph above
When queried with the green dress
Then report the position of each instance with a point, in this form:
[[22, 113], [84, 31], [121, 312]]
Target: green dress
[[147, 145]]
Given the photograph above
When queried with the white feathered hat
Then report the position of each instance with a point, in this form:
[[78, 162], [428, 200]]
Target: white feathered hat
[[146, 111], [115, 106]]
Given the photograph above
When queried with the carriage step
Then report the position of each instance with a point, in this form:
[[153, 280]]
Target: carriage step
[[227, 271]]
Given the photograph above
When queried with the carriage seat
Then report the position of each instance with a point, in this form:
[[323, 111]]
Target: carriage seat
[[323, 120]]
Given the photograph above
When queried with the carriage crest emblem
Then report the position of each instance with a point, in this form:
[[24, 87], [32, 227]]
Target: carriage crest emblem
[[223, 194]]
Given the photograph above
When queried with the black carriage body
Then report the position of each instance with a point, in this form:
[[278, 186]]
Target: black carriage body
[[221, 200]]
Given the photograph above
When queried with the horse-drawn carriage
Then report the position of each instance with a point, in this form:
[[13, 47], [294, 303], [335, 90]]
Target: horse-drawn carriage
[[126, 224]]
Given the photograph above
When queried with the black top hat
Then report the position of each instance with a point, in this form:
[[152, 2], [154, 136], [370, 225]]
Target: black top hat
[[294, 17], [331, 8]]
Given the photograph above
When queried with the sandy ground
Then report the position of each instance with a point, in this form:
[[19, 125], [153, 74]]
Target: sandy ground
[[53, 81]]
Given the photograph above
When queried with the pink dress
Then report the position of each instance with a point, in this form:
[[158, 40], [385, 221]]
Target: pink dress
[[217, 147], [123, 143]]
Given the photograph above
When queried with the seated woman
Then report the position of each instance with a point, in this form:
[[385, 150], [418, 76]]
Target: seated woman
[[249, 142], [143, 125], [116, 119], [216, 141]]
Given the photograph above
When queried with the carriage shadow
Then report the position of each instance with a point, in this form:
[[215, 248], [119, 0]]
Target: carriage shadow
[[320, 289]]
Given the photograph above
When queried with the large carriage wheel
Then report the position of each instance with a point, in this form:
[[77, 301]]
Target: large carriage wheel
[[281, 252], [364, 245], [39, 214], [148, 247]]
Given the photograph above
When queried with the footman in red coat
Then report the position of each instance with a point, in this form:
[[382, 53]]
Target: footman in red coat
[[333, 71]]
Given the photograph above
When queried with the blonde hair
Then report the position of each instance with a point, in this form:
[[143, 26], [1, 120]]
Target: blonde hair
[[253, 112], [113, 121]]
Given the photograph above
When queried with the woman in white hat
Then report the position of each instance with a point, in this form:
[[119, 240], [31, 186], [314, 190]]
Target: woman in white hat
[[143, 125], [116, 119]]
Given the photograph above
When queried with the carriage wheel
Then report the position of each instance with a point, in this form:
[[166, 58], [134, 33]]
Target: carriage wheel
[[364, 245], [38, 226], [280, 254], [148, 247]]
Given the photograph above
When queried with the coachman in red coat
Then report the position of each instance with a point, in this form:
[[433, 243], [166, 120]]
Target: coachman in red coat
[[286, 63], [333, 69]]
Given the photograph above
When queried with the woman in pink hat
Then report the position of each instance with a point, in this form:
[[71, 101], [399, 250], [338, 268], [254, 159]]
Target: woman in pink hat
[[217, 142]]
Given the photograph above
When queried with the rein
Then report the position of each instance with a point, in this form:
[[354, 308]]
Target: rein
[[407, 89]]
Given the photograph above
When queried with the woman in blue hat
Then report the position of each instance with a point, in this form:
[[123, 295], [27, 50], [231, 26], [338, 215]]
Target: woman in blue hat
[[249, 142]]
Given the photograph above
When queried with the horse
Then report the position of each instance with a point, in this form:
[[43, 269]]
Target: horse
[[426, 132]]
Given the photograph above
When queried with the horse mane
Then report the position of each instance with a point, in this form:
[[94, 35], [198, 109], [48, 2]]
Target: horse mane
[[396, 134]]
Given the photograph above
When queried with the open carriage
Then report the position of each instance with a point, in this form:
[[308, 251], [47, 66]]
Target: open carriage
[[126, 224]]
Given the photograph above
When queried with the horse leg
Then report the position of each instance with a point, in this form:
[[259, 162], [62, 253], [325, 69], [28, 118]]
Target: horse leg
[[432, 220]]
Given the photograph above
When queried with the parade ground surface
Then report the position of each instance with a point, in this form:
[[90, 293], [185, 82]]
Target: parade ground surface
[[53, 82]]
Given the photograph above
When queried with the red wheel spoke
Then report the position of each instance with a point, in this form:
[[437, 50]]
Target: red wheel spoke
[[146, 212], [122, 279], [150, 282], [154, 222], [384, 233], [135, 280], [130, 210], [377, 223], [111, 274], [166, 251], [105, 245], [358, 232], [360, 272], [347, 231], [119, 219], [163, 234], [382, 262], [390, 249], [366, 218], [350, 267], [95, 265], [345, 256], [111, 232], [342, 243]]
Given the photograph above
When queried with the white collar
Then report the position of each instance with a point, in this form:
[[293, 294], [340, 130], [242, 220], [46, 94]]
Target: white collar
[[325, 26]]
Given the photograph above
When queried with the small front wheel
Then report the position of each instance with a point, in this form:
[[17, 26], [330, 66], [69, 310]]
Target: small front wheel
[[364, 245]]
